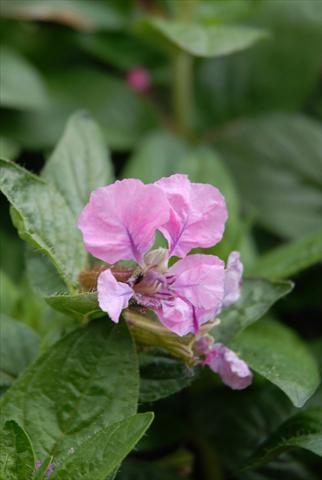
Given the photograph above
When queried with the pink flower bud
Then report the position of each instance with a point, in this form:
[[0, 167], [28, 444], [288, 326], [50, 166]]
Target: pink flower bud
[[139, 79], [202, 346], [233, 371]]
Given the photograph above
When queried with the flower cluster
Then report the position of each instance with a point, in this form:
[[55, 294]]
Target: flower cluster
[[120, 223]]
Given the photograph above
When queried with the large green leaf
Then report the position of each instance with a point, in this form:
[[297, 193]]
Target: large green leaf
[[278, 354], [19, 346], [162, 375], [43, 218], [204, 40], [266, 156], [289, 259], [42, 274], [85, 382], [303, 430], [99, 455], [80, 162], [82, 306], [16, 456], [85, 15], [257, 297], [21, 85]]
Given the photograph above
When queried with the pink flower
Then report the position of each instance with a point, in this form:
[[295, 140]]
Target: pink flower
[[139, 79], [233, 279], [233, 371], [120, 222]]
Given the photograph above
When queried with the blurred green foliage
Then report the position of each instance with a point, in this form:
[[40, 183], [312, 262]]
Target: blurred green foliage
[[235, 101]]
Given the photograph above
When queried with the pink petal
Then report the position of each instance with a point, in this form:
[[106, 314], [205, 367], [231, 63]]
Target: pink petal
[[233, 371], [200, 280], [113, 296], [120, 220], [233, 278], [177, 316], [198, 214]]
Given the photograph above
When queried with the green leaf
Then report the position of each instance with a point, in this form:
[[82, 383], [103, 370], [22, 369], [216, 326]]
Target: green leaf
[[99, 455], [278, 354], [16, 456], [19, 346], [289, 259], [122, 50], [85, 382], [124, 115], [205, 40], [257, 297], [157, 156], [303, 430], [258, 80], [21, 85], [162, 154], [84, 15], [43, 219], [82, 306], [9, 294], [266, 157], [162, 375], [80, 162], [8, 148], [42, 274]]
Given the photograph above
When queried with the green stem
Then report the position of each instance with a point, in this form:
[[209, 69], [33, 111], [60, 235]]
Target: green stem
[[183, 92], [183, 98]]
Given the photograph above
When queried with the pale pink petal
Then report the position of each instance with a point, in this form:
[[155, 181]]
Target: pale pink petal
[[113, 296], [233, 279], [120, 220], [203, 345], [177, 316], [200, 280], [233, 371], [198, 214]]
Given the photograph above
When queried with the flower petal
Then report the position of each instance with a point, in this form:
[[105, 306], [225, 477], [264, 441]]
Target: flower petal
[[233, 371], [200, 280], [177, 316], [198, 214], [120, 220], [233, 278], [113, 296]]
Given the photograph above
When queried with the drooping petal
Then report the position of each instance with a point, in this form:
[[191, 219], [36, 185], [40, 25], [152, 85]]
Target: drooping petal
[[113, 296], [233, 371], [177, 316], [200, 280], [120, 220], [233, 279], [198, 214]]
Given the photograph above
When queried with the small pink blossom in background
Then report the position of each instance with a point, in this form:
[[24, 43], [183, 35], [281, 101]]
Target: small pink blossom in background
[[138, 78], [233, 371]]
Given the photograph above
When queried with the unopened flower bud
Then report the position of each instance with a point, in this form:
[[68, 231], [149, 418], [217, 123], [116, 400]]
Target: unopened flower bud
[[139, 79]]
